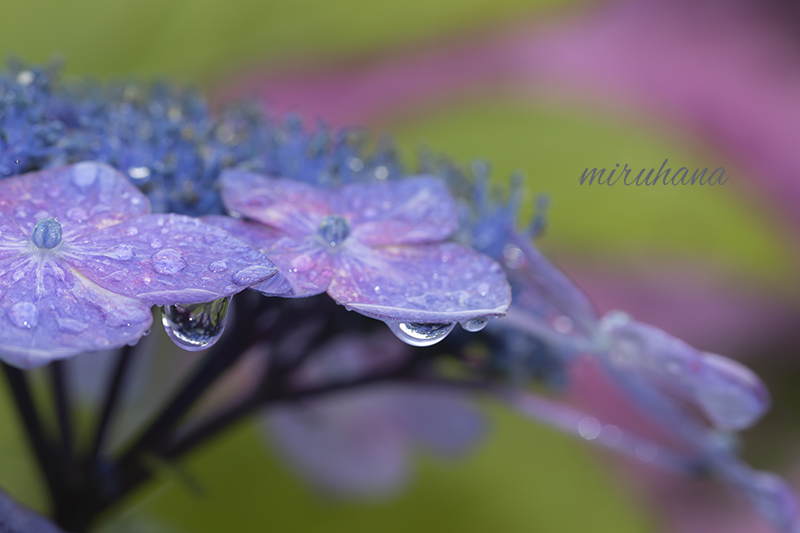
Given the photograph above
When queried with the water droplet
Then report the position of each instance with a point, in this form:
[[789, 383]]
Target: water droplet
[[420, 333], [139, 173], [475, 324], [84, 174], [252, 274], [168, 261], [131, 231], [334, 230], [377, 289], [46, 234], [589, 428], [218, 266], [121, 252], [729, 393], [513, 256], [25, 77], [195, 327], [24, 315], [16, 161]]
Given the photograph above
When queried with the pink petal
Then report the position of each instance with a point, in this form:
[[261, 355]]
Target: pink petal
[[412, 210], [168, 259], [294, 207], [443, 282], [304, 267], [84, 198], [48, 311]]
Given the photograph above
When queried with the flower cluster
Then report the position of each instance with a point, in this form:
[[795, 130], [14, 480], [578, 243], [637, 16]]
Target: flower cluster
[[339, 241]]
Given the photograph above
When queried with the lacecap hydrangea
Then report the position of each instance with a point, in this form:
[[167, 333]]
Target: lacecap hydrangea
[[117, 198]]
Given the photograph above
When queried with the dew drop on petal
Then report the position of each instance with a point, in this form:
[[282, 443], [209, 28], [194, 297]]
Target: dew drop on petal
[[513, 256], [121, 252], [729, 393], [252, 274], [420, 333], [84, 174], [195, 327], [218, 266], [168, 261], [474, 324], [24, 315]]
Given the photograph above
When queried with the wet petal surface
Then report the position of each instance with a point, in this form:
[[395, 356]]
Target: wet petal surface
[[424, 283], [48, 311], [291, 206], [728, 393], [168, 259], [413, 210], [304, 266], [84, 198]]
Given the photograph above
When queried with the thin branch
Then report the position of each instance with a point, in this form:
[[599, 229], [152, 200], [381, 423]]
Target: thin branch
[[112, 397]]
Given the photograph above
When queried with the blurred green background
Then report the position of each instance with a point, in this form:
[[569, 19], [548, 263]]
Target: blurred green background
[[525, 478]]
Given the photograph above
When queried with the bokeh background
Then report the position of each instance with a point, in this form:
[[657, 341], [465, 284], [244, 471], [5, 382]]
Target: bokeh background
[[549, 88]]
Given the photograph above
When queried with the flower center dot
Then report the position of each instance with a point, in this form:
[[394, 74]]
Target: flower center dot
[[334, 229], [46, 234]]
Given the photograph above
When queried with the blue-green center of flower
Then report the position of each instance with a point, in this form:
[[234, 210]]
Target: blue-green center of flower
[[46, 234], [334, 229]]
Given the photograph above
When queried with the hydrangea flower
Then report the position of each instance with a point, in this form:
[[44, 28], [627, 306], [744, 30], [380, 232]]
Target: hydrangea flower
[[82, 261], [374, 247]]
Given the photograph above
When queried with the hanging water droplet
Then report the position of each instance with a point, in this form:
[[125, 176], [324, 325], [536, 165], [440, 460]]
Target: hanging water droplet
[[195, 327], [729, 393], [474, 324], [420, 333]]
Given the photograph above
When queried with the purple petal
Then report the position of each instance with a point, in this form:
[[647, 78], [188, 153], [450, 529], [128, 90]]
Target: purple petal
[[291, 206], [48, 311], [84, 198], [304, 266], [422, 283], [545, 298], [728, 393], [345, 445], [350, 356], [168, 259], [412, 210], [444, 421]]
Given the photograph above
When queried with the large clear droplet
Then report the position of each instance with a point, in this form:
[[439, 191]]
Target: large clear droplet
[[46, 234], [474, 324], [729, 393], [334, 230], [420, 333], [195, 327]]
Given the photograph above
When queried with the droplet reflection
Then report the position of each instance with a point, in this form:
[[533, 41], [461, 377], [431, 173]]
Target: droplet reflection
[[420, 333], [195, 327]]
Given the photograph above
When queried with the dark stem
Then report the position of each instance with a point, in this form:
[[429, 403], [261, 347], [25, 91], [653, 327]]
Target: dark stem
[[61, 399], [112, 396], [42, 449]]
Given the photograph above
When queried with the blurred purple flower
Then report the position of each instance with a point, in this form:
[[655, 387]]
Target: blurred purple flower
[[374, 247], [359, 443], [82, 261]]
